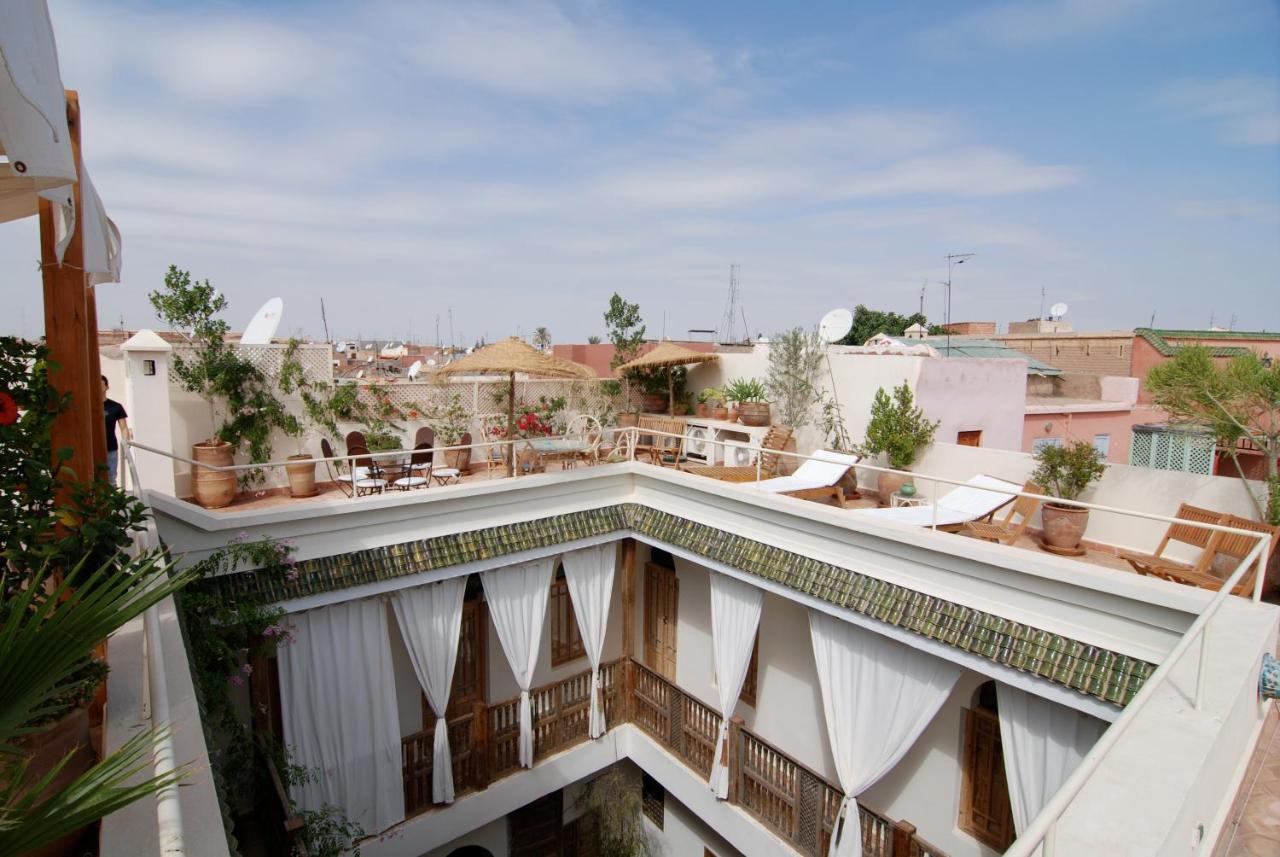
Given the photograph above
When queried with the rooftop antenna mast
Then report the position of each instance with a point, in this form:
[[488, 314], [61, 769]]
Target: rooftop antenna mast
[[1041, 315], [323, 320], [729, 332], [923, 288]]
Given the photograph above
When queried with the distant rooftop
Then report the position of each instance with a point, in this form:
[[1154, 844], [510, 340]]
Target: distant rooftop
[[989, 348]]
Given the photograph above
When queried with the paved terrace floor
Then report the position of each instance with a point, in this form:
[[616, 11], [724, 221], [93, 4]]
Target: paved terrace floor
[[328, 491]]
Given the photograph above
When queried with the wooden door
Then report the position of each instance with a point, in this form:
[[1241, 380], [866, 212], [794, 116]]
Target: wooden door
[[534, 830], [470, 671], [661, 600]]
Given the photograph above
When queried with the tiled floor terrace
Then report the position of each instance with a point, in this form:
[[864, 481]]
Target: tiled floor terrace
[[1095, 554]]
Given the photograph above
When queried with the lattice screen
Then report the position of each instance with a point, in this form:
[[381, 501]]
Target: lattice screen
[[1188, 452], [480, 397], [316, 359]]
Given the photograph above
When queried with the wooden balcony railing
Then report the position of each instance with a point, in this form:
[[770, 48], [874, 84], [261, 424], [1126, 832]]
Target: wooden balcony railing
[[797, 804]]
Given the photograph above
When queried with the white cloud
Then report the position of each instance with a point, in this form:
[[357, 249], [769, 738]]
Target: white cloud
[[544, 49], [1025, 24], [1245, 109]]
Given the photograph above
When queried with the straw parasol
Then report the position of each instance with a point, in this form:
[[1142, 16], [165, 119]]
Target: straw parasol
[[670, 355], [508, 357]]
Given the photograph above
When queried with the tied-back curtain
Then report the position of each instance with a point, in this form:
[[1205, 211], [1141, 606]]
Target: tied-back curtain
[[1042, 742], [430, 619], [877, 696], [735, 616], [517, 597], [338, 701], [589, 574]]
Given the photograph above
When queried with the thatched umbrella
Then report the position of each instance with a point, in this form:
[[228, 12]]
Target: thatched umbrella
[[509, 357], [670, 355]]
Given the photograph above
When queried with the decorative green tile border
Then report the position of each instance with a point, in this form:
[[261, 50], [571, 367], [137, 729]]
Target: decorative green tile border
[[1158, 341], [1098, 672]]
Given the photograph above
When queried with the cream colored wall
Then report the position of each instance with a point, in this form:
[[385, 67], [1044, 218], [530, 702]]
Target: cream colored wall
[[492, 836], [975, 395]]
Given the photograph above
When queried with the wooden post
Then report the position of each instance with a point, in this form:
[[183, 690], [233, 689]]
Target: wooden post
[[903, 831], [629, 599], [734, 762], [480, 744], [66, 328], [95, 379]]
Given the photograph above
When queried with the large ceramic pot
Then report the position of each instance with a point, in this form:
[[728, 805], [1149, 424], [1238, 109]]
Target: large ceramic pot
[[302, 476], [459, 459], [47, 748], [213, 489], [887, 484], [655, 403], [719, 412], [1063, 525], [754, 413], [628, 419], [703, 410]]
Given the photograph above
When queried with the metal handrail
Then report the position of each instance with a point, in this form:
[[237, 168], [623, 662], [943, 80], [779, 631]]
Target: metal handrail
[[169, 825]]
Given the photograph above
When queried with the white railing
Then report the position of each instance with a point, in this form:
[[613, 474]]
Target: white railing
[[156, 692]]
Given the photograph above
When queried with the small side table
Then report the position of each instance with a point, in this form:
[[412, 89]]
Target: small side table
[[898, 501]]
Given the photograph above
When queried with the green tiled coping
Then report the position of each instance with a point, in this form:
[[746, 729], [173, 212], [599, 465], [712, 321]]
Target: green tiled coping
[[1089, 669], [1158, 340]]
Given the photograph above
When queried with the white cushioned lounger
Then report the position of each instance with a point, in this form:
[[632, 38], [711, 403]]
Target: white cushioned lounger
[[825, 469], [979, 497]]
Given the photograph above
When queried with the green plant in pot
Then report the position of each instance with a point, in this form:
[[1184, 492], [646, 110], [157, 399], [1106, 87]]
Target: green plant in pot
[[750, 395], [243, 409], [1065, 472], [451, 421], [898, 430]]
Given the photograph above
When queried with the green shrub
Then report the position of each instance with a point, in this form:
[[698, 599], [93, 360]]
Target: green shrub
[[898, 428]]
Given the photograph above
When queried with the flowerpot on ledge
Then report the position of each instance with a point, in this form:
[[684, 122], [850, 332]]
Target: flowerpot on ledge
[[46, 748], [704, 410], [1064, 526], [655, 403], [628, 419], [302, 476], [213, 489], [719, 412], [754, 413]]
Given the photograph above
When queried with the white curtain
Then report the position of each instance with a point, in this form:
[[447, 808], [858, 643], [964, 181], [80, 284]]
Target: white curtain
[[1043, 742], [589, 573], [430, 619], [878, 695], [735, 616], [338, 701], [517, 597]]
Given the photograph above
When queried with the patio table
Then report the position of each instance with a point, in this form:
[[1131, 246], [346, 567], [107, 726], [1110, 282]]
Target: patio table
[[564, 449]]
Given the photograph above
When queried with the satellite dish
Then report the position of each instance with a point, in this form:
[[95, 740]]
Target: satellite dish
[[1058, 310], [264, 324], [341, 346], [835, 325], [431, 362], [360, 374], [414, 369]]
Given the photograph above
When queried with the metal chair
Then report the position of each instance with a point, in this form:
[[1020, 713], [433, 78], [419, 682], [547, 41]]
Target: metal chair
[[339, 478], [365, 477], [418, 474]]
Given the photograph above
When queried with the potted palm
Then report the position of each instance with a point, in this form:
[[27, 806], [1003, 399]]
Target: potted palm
[[898, 430], [1065, 472], [749, 393]]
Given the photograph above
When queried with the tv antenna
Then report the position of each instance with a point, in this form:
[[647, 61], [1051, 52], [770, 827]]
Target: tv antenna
[[729, 332]]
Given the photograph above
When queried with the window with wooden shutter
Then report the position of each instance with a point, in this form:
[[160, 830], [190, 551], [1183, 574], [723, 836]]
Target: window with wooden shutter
[[985, 812], [748, 694], [654, 798], [566, 640]]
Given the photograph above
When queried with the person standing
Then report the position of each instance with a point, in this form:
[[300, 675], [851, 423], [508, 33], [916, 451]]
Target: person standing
[[114, 413]]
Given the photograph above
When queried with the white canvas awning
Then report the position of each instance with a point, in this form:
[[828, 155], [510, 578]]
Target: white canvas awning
[[36, 140]]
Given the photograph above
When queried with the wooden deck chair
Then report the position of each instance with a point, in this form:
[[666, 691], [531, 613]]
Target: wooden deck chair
[[1010, 528], [1158, 565], [667, 449], [774, 442], [820, 477], [1225, 554]]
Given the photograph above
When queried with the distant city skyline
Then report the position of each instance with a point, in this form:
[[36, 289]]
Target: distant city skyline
[[519, 162]]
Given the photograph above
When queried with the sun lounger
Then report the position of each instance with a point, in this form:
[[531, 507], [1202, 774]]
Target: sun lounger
[[979, 498], [817, 478]]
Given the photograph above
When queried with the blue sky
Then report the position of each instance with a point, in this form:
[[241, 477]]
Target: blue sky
[[518, 162]]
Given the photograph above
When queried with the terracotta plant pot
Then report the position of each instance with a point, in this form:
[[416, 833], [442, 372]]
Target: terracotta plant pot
[[628, 419], [732, 416], [704, 410], [887, 484], [213, 489], [302, 477], [46, 748], [679, 409], [719, 412], [655, 403], [1063, 525], [754, 413]]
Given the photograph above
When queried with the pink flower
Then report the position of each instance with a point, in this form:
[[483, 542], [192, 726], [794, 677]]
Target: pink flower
[[247, 669], [236, 680], [291, 575], [271, 630]]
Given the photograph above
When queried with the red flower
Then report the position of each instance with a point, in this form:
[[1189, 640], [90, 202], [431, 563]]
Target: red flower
[[8, 410]]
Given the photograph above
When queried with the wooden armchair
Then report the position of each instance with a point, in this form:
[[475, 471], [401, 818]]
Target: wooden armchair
[[1231, 548], [664, 450], [1010, 528], [1158, 565], [774, 442]]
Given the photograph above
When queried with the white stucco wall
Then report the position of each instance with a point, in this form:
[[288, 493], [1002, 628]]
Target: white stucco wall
[[683, 834], [492, 836]]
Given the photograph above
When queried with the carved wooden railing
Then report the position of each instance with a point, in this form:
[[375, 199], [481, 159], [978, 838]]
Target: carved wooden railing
[[287, 834], [794, 802]]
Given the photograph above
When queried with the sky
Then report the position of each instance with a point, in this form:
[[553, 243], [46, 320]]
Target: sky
[[490, 167]]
